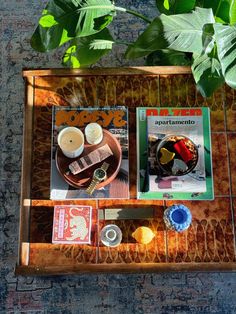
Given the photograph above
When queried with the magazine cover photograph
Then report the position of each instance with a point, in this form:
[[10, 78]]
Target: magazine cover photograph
[[178, 154], [98, 168]]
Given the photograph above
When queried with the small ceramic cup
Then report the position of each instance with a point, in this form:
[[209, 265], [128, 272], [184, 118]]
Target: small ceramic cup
[[177, 217], [93, 133], [71, 142]]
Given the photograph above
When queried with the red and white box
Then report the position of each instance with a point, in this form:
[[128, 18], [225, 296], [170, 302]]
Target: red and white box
[[72, 224]]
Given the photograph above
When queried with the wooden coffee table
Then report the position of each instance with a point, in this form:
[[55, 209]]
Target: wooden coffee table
[[209, 243]]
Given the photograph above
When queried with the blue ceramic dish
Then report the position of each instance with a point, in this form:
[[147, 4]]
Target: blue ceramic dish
[[177, 217]]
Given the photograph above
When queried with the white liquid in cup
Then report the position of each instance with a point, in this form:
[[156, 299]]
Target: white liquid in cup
[[93, 133], [71, 142]]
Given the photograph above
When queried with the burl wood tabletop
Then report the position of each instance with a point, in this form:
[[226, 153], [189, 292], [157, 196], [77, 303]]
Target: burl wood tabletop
[[211, 236]]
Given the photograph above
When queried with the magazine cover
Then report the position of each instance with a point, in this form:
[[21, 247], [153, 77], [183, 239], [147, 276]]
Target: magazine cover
[[174, 154], [72, 224], [114, 121]]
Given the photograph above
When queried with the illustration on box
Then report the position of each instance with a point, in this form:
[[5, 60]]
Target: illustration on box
[[72, 224], [89, 153], [177, 164]]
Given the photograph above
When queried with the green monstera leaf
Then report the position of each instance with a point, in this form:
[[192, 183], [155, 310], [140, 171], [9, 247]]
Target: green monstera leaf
[[223, 10], [181, 32], [168, 57], [175, 6], [49, 34], [184, 32], [88, 50], [232, 12], [150, 40], [226, 45], [66, 19], [207, 73]]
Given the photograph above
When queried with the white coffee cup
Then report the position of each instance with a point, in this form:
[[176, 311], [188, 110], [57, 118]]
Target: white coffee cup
[[71, 141]]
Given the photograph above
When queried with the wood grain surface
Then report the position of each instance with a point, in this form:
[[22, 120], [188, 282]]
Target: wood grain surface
[[209, 243]]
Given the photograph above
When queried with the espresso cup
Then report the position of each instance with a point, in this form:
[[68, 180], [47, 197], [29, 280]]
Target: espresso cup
[[71, 142]]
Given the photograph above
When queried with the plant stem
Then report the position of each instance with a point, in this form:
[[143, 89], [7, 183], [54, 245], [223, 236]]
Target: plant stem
[[119, 42], [134, 13], [219, 4]]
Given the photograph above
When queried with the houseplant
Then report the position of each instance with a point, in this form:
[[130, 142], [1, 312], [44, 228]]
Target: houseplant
[[187, 32]]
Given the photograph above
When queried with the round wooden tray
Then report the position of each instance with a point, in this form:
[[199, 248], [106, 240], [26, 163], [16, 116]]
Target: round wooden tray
[[83, 179]]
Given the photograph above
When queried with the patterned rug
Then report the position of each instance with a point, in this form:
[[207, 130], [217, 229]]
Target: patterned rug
[[139, 293]]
